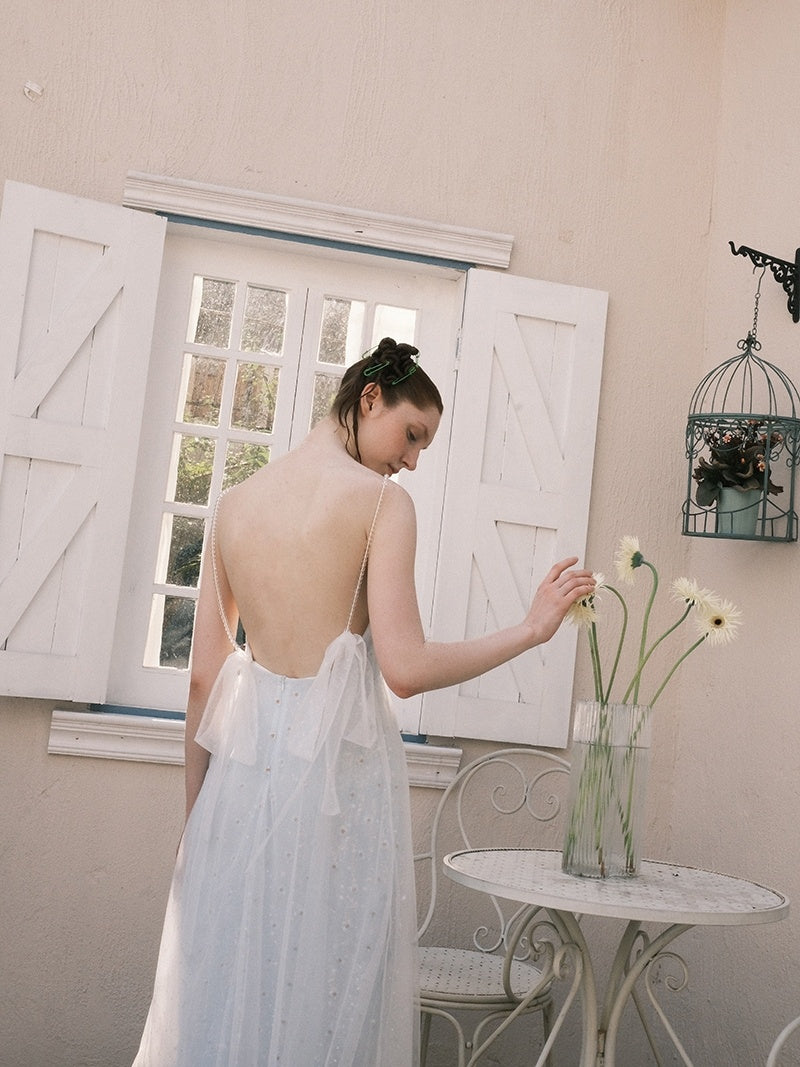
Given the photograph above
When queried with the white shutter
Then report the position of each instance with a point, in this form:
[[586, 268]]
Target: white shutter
[[517, 496], [78, 285]]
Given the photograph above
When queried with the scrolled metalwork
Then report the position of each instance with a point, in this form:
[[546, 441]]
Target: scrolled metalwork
[[485, 940], [551, 802], [694, 438], [521, 944], [504, 796], [524, 789], [792, 440], [651, 961], [563, 960], [672, 983], [784, 272]]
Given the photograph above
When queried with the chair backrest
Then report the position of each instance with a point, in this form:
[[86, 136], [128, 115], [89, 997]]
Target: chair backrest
[[508, 798], [780, 1041]]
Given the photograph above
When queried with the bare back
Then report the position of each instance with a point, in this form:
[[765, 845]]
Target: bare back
[[292, 540]]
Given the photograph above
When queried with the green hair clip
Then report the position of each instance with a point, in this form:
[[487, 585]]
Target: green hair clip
[[376, 368], [408, 373]]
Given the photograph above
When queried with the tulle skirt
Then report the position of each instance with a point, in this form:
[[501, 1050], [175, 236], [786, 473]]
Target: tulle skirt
[[289, 937]]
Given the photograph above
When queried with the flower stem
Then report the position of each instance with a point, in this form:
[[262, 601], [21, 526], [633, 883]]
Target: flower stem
[[687, 653], [597, 670], [623, 629], [650, 651], [645, 621]]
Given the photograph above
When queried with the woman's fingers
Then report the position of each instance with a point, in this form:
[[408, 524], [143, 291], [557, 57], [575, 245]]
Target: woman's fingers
[[571, 583]]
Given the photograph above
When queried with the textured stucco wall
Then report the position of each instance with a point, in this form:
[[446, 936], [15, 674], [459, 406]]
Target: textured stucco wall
[[735, 783], [622, 144]]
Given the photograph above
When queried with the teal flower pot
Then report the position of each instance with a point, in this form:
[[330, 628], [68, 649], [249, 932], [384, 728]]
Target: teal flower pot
[[737, 512]]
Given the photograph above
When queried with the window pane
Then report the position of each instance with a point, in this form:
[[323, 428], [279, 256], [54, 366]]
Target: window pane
[[184, 536], [342, 328], [254, 397], [396, 322], [326, 386], [211, 312], [169, 638], [193, 458], [264, 321], [242, 460], [201, 389]]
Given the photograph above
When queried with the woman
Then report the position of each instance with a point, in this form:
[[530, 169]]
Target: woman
[[290, 928]]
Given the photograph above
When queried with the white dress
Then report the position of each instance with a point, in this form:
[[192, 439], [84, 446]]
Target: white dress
[[290, 931]]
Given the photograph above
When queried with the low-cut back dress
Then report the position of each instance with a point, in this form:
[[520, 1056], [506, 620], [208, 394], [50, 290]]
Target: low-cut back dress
[[290, 932]]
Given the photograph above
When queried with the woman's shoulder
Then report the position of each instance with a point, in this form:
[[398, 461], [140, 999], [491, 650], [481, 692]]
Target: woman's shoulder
[[370, 496], [349, 489]]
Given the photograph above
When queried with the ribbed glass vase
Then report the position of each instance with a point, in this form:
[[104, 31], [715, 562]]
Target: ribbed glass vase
[[610, 760]]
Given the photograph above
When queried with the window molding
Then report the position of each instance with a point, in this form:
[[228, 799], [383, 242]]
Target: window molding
[[151, 739], [186, 199]]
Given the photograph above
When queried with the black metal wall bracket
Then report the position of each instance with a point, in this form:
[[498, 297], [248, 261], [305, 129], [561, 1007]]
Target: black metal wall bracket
[[787, 274]]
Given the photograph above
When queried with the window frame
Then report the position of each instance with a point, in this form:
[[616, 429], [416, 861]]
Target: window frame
[[334, 231], [135, 735], [437, 293], [334, 226]]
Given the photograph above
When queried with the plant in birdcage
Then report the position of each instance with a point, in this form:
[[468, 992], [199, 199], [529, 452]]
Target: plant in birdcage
[[738, 459]]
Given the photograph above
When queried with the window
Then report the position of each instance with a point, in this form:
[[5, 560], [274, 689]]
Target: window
[[236, 372], [115, 446], [249, 345]]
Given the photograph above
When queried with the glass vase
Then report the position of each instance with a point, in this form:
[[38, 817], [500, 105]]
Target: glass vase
[[608, 785]]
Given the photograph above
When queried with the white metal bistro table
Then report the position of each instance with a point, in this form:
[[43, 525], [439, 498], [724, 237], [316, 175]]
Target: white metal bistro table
[[665, 893]]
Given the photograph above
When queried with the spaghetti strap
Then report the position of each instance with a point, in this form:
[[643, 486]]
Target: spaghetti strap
[[221, 610], [366, 553]]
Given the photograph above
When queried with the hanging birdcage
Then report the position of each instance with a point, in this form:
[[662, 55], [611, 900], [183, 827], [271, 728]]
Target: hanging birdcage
[[742, 444]]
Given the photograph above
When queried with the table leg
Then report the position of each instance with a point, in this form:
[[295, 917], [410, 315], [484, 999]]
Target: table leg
[[570, 932], [600, 1027], [624, 976]]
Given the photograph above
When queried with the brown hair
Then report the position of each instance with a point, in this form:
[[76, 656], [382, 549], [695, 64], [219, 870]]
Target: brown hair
[[393, 367]]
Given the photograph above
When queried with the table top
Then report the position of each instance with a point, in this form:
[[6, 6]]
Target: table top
[[661, 892]]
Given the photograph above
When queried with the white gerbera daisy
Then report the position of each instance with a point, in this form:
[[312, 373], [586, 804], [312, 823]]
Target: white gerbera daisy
[[719, 622], [687, 590], [582, 612], [627, 559]]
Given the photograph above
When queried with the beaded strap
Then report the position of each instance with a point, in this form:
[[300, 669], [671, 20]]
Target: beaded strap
[[362, 572], [366, 552]]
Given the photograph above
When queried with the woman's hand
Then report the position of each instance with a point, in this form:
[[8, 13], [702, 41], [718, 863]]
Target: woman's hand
[[560, 589]]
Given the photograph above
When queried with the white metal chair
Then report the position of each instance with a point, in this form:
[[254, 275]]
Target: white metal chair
[[508, 798], [774, 1054]]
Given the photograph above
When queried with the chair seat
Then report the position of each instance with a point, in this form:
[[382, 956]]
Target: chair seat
[[463, 976]]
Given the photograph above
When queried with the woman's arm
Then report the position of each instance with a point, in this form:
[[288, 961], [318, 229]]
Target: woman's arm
[[409, 663], [210, 648]]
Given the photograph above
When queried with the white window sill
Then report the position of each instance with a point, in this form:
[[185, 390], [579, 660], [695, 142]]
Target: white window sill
[[146, 739]]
